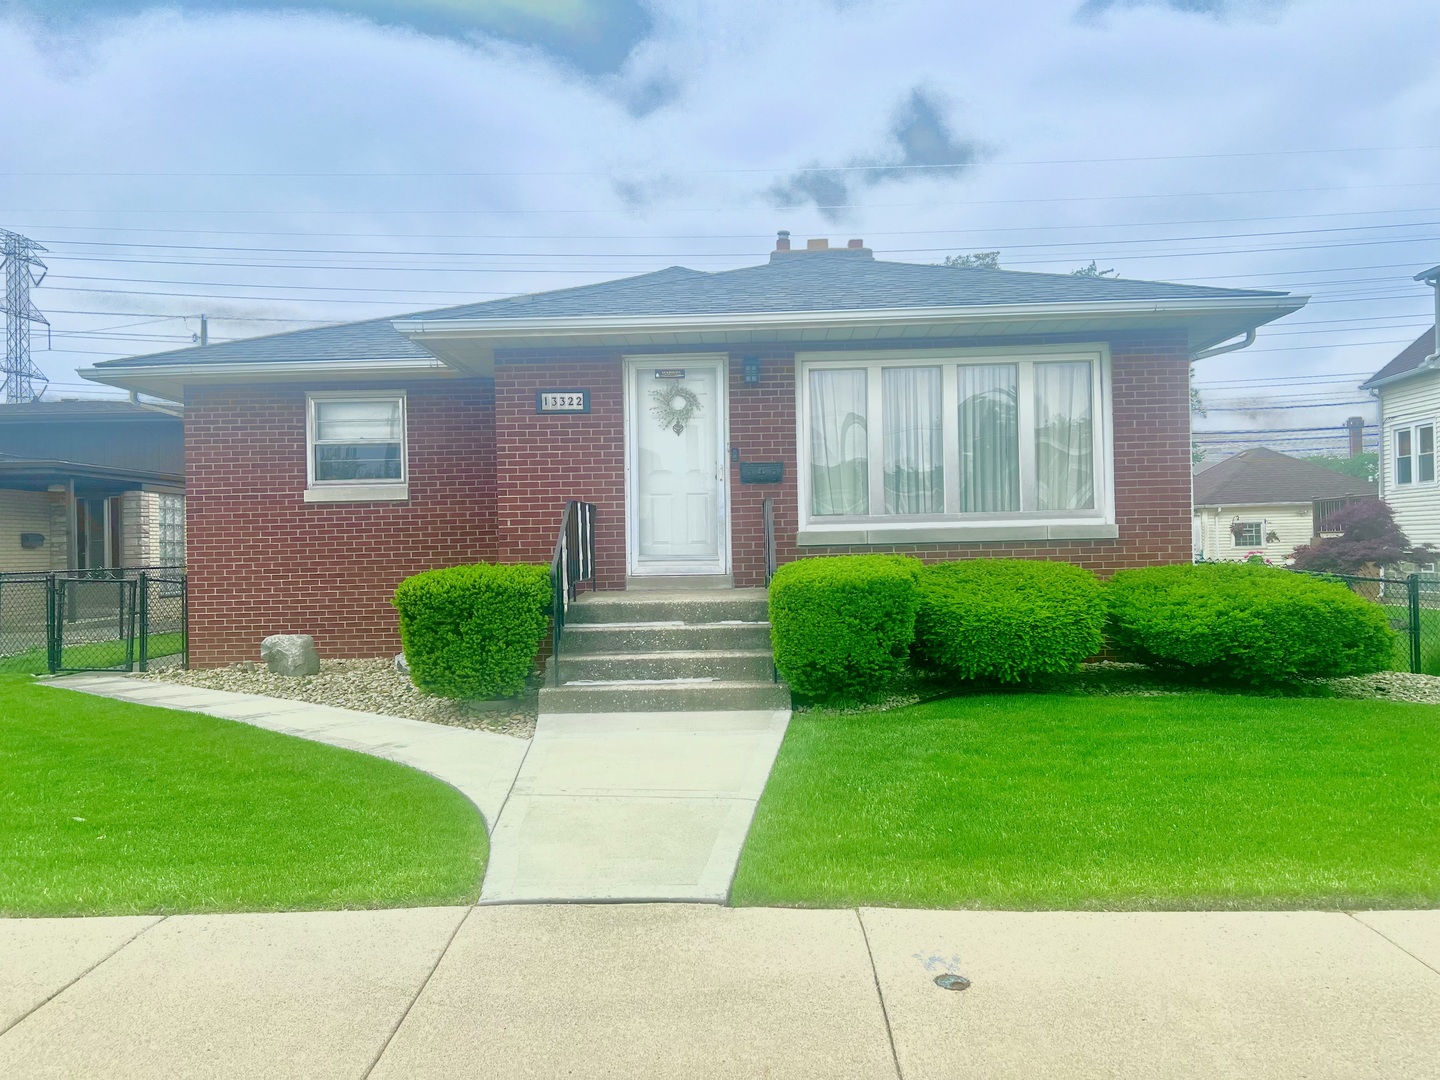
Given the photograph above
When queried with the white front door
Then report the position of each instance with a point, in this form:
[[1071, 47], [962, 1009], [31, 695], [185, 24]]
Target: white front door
[[676, 468]]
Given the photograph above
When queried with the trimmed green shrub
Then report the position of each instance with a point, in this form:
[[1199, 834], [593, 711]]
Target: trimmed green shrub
[[473, 631], [1007, 620], [1242, 623], [842, 626]]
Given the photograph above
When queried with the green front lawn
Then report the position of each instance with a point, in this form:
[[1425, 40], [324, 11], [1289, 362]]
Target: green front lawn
[[1031, 801], [108, 808]]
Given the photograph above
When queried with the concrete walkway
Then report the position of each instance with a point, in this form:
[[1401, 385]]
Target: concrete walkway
[[632, 806], [624, 806], [480, 764], [640, 991]]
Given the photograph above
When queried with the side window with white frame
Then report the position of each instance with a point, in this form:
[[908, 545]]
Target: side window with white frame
[[1248, 534], [356, 440], [916, 442], [1414, 454]]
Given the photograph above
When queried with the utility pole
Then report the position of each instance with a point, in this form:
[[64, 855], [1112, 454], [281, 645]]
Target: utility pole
[[23, 271], [204, 330]]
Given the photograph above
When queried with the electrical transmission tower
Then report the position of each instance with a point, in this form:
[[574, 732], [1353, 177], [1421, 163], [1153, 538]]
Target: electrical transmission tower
[[23, 271]]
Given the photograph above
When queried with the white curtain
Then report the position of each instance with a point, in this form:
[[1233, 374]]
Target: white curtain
[[1064, 437], [839, 444], [989, 439], [914, 452]]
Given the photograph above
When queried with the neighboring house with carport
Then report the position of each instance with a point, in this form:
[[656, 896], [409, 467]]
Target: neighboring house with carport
[[880, 406], [1408, 388], [1262, 502], [90, 484]]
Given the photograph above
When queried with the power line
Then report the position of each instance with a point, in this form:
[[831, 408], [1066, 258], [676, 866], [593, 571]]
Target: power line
[[782, 169]]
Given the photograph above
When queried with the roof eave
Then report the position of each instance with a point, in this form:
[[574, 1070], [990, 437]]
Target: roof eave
[[170, 380]]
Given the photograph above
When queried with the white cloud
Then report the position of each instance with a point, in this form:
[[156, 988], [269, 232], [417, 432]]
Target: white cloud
[[672, 158]]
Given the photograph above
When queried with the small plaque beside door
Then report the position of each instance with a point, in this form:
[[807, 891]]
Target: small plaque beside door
[[562, 401]]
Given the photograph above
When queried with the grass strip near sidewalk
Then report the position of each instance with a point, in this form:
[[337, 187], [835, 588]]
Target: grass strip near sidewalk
[[93, 655], [110, 808], [1192, 801]]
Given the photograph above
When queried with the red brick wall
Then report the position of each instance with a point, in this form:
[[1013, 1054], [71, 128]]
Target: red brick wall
[[543, 461], [762, 428], [263, 561]]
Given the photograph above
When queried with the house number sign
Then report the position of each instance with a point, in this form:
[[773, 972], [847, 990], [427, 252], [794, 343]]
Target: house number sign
[[562, 401]]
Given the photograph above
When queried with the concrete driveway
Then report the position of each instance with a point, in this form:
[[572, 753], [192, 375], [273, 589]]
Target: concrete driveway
[[693, 990]]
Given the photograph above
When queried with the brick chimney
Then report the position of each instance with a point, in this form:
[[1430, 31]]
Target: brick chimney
[[856, 244], [1355, 428], [817, 243], [782, 240]]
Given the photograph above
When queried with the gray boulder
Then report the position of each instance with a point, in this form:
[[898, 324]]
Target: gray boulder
[[401, 664], [290, 654]]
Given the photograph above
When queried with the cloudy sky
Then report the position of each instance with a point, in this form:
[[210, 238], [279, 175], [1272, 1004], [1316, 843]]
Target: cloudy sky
[[275, 165]]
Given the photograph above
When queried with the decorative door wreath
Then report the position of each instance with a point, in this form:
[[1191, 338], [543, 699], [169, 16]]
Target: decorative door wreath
[[674, 406]]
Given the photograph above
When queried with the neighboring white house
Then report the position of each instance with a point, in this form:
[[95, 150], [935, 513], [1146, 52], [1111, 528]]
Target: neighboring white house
[[1267, 503], [1409, 391]]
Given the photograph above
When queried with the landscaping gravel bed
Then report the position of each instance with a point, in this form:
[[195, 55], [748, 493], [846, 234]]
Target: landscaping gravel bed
[[372, 686]]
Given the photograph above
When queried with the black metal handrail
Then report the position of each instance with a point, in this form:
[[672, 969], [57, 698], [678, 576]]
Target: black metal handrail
[[767, 508], [572, 562]]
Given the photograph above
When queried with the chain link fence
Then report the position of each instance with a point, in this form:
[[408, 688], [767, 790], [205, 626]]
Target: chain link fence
[[1412, 605], [92, 620]]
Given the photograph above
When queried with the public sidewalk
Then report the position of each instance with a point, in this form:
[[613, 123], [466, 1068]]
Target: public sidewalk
[[687, 990]]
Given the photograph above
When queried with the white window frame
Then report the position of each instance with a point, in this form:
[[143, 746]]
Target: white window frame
[[1259, 531], [349, 490], [952, 526], [1413, 430]]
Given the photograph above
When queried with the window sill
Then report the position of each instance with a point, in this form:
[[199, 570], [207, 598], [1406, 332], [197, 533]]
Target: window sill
[[344, 493], [875, 535]]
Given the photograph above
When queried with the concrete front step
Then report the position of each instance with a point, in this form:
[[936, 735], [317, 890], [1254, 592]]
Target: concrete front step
[[741, 665], [697, 606], [669, 696], [585, 639]]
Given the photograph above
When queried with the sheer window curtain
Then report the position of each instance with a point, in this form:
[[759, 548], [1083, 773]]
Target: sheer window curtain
[[914, 450], [989, 438], [839, 444], [1064, 437]]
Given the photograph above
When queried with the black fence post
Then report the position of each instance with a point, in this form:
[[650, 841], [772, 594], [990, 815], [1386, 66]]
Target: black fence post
[[1412, 588], [143, 586], [52, 624]]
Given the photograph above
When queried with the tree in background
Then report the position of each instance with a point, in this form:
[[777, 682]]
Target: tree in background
[[1197, 408], [980, 260], [1093, 270], [1368, 537], [1362, 466]]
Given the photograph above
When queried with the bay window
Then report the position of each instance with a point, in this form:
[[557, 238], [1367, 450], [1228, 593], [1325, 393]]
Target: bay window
[[1011, 444]]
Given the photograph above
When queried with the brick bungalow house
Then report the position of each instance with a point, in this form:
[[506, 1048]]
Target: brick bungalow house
[[883, 406]]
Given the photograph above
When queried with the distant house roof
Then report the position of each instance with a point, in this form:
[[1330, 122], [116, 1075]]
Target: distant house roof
[[1410, 359], [1266, 477], [40, 412], [835, 280]]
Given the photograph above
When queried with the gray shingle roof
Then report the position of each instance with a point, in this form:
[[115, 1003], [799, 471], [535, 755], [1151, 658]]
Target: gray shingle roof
[[1260, 476], [840, 279], [1409, 359], [33, 412]]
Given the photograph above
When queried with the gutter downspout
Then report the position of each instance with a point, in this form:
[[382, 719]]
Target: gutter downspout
[[1205, 354], [1243, 343]]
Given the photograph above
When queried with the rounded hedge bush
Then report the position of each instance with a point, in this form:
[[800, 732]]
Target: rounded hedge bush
[[1245, 623], [473, 631], [1007, 620], [841, 626]]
